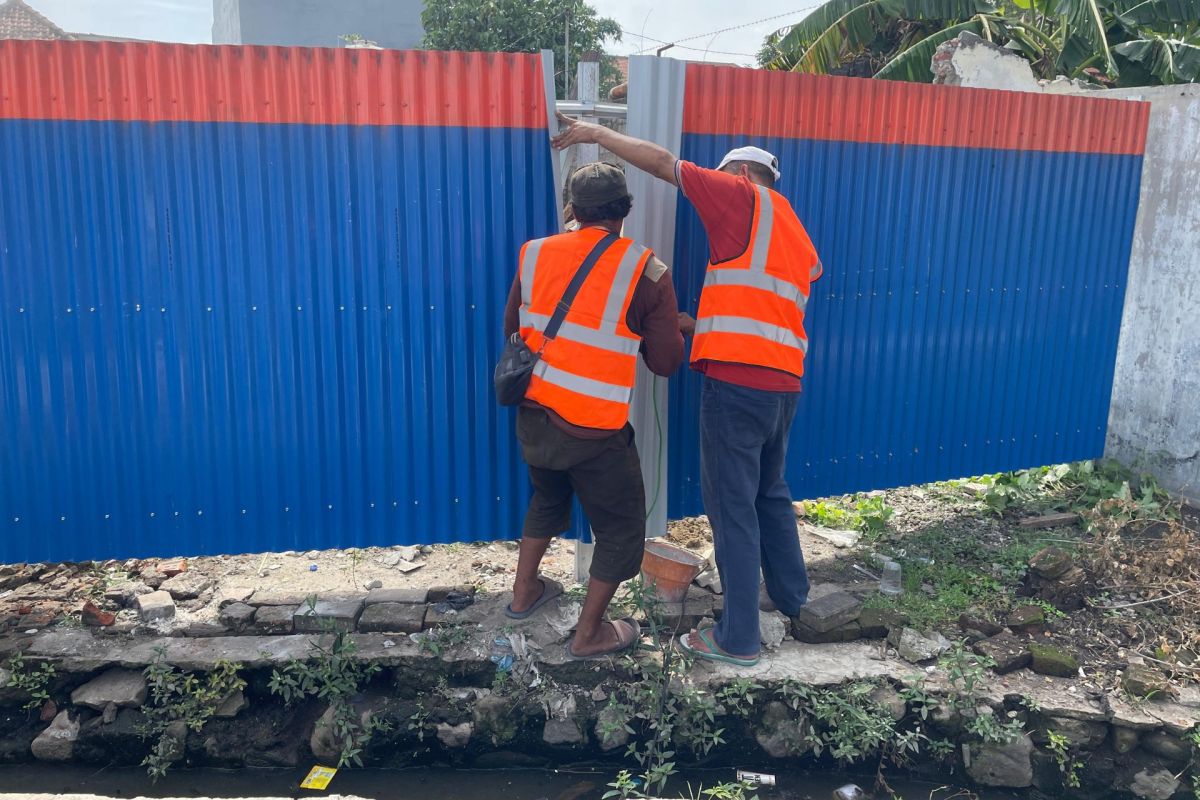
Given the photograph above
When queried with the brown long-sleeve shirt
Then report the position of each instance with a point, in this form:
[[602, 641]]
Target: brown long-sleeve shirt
[[653, 315]]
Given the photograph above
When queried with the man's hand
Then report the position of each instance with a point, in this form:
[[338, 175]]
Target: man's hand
[[687, 323], [574, 131]]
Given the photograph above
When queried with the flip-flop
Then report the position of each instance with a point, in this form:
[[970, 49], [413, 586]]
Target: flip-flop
[[633, 633], [550, 590], [713, 653]]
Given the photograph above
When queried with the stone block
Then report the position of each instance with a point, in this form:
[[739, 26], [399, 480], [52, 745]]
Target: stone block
[[1080, 733], [1007, 651], [1003, 765], [1155, 784], [236, 616], [772, 627], [1026, 619], [687, 614], [1125, 740], [1049, 660], [831, 611], [1167, 746], [57, 742], [440, 594], [917, 647], [187, 585], [454, 737], [845, 633], [328, 614], [95, 617], [232, 705], [274, 619], [155, 606], [1050, 562], [406, 596], [124, 688], [1143, 682], [968, 623], [877, 622], [392, 618]]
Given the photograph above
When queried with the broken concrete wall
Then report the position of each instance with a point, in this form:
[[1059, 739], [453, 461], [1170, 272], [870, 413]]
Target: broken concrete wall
[[1154, 418]]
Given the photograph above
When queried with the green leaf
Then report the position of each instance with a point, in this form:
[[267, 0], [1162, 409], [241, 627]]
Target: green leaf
[[1169, 60], [913, 63], [1086, 26], [1153, 13]]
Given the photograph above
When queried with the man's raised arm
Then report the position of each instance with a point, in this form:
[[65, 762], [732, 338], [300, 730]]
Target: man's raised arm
[[646, 156]]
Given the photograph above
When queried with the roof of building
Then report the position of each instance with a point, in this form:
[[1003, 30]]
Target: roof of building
[[19, 21]]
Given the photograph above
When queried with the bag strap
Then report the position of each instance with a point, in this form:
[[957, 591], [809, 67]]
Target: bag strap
[[564, 305]]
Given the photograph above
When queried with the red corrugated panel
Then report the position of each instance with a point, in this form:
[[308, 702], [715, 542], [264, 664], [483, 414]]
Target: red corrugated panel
[[729, 100], [186, 83]]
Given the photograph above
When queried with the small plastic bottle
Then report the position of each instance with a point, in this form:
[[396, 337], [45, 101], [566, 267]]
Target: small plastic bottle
[[889, 579]]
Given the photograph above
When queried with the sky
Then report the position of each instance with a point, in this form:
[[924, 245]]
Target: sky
[[691, 23]]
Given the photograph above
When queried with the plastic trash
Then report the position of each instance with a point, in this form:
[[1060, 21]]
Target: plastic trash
[[756, 778], [318, 778], [889, 579], [502, 654], [849, 792], [312, 567]]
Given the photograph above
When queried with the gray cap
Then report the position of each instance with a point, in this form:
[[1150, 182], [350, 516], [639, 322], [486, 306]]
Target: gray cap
[[596, 184]]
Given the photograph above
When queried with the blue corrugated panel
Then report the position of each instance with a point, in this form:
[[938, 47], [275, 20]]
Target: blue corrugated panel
[[223, 337]]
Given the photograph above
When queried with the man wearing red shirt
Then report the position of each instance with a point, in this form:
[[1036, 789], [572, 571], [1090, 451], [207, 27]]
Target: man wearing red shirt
[[750, 345]]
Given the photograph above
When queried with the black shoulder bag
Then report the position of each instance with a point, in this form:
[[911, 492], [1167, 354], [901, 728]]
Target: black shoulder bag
[[515, 367]]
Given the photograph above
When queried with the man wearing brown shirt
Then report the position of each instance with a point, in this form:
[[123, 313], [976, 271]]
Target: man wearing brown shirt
[[567, 457]]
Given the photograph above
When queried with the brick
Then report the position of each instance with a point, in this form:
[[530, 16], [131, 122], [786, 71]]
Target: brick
[[831, 611], [392, 618], [156, 605], [274, 619], [333, 613], [404, 596], [1049, 521]]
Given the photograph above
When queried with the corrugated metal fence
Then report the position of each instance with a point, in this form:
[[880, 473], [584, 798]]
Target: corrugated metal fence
[[251, 297], [976, 247]]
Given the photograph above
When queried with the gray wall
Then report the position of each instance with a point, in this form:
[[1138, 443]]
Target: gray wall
[[394, 24], [1154, 422]]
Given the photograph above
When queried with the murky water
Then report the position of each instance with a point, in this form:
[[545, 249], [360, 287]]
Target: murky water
[[425, 784]]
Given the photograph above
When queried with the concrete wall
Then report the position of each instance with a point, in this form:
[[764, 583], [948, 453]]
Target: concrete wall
[[1154, 422], [394, 24], [1154, 419]]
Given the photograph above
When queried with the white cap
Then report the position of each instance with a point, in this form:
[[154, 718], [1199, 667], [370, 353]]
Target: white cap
[[755, 154]]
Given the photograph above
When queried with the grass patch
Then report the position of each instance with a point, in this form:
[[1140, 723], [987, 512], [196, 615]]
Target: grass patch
[[944, 575]]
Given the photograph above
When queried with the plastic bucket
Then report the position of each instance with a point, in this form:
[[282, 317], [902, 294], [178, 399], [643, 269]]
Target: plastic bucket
[[669, 570]]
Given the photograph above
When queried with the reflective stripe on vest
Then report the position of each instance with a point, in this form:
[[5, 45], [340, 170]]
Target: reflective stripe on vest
[[756, 280], [582, 334], [762, 238], [581, 385], [752, 327], [528, 265]]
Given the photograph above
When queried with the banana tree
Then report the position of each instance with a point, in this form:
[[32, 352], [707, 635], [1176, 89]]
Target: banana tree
[[1154, 41]]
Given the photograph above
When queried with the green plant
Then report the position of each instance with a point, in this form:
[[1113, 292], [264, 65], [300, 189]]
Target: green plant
[[1060, 748], [739, 790], [181, 701], [1050, 610], [738, 698], [437, 641], [1106, 41], [334, 675], [32, 680], [418, 723], [965, 672], [873, 515]]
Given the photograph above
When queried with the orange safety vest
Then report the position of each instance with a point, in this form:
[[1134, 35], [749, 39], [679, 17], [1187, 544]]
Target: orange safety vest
[[586, 373], [752, 307]]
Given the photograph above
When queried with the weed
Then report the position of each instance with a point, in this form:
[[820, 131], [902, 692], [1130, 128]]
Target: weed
[[181, 701], [738, 698], [437, 641], [868, 514], [333, 675], [1080, 486], [965, 671], [1050, 610], [419, 721], [31, 680], [1060, 748]]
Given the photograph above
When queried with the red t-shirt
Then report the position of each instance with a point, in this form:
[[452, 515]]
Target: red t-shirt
[[725, 204]]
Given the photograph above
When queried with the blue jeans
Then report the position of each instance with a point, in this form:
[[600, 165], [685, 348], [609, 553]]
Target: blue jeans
[[743, 450]]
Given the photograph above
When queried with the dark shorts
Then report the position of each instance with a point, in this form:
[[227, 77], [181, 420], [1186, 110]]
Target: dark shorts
[[606, 475]]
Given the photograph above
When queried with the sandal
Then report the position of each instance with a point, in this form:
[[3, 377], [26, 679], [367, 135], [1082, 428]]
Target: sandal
[[632, 633], [713, 652], [550, 590]]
